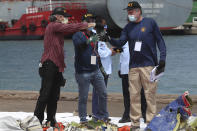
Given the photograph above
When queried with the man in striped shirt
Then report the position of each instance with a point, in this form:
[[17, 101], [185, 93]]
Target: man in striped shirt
[[52, 63]]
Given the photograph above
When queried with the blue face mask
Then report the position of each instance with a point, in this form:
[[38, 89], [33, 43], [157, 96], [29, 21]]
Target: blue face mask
[[132, 18], [90, 29], [105, 26]]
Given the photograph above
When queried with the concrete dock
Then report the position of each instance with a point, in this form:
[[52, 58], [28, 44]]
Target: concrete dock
[[15, 101]]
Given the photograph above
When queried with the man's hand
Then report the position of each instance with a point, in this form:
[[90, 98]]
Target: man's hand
[[161, 67], [93, 39], [91, 25], [113, 52]]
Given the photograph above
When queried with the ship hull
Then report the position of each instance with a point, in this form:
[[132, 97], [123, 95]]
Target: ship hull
[[168, 14], [32, 25]]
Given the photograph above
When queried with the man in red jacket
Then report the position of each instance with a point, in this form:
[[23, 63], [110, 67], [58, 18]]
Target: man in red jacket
[[52, 63]]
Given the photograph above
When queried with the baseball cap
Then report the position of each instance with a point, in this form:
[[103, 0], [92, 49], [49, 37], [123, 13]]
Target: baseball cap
[[133, 5], [60, 11], [87, 17]]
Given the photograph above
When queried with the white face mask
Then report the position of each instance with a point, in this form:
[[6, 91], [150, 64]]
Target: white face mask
[[132, 18], [65, 21], [90, 29]]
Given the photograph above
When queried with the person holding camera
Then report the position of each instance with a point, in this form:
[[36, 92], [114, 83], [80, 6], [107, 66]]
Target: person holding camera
[[104, 51], [87, 70], [52, 63], [105, 62], [143, 36]]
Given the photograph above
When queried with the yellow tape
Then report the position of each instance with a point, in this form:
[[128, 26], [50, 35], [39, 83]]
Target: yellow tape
[[178, 117]]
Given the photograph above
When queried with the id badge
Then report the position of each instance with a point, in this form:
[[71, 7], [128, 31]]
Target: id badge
[[138, 46], [93, 60]]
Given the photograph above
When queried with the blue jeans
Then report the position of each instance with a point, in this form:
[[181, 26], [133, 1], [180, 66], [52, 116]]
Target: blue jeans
[[96, 79], [95, 100]]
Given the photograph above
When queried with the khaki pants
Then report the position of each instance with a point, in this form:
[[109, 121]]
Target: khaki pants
[[138, 78]]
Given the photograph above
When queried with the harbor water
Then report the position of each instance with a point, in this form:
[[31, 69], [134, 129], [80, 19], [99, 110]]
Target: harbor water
[[19, 66]]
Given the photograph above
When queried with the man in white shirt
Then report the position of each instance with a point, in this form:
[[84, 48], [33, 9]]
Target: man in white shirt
[[105, 64], [105, 54]]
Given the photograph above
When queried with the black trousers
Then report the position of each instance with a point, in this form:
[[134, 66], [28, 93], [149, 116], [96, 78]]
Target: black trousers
[[49, 92], [126, 97]]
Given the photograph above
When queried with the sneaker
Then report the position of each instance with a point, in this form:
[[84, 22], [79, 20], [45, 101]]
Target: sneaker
[[83, 120], [124, 120], [95, 119], [107, 120]]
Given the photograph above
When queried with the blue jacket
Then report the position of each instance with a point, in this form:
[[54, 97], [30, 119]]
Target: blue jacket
[[83, 54], [149, 34]]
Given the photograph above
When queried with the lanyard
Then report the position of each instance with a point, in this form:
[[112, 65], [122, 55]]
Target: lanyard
[[92, 44]]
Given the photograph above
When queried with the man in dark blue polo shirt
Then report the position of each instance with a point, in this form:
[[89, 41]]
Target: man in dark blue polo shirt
[[87, 71], [143, 36]]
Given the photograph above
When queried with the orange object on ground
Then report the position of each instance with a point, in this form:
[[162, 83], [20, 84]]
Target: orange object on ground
[[124, 128], [59, 127], [45, 128]]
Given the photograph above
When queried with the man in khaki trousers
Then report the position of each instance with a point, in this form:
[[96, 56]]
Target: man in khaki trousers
[[144, 36]]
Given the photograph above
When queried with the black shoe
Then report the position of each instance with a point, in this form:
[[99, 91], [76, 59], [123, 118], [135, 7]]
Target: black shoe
[[124, 120], [51, 123]]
